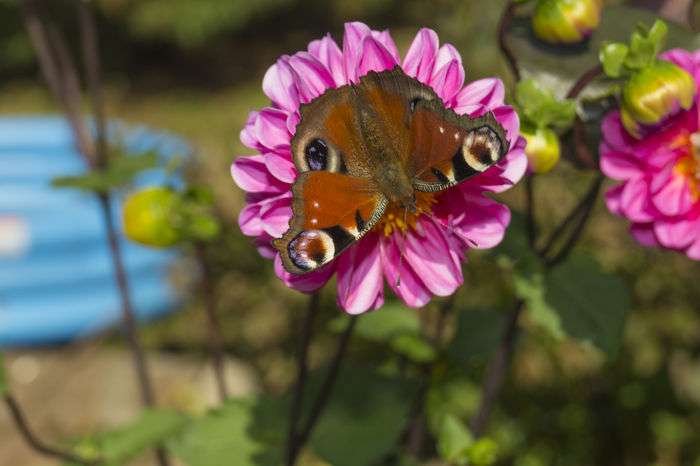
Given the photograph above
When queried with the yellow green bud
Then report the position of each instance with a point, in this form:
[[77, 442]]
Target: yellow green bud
[[147, 217], [655, 93], [566, 21], [542, 150]]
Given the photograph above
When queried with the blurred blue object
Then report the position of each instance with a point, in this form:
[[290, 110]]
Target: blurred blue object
[[56, 277]]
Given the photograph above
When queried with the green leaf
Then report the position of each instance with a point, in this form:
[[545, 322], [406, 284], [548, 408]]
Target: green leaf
[[612, 57], [4, 386], [454, 440], [243, 432], [453, 395], [122, 445], [591, 303], [478, 334], [414, 347], [383, 325], [540, 107], [558, 68], [529, 282], [367, 408], [484, 452]]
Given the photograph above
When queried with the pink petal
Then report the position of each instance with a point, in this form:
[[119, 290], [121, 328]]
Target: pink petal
[[313, 78], [263, 243], [644, 234], [484, 221], [251, 174], [271, 129], [445, 55], [308, 282], [384, 38], [292, 121], [675, 197], [281, 167], [448, 80], [327, 52], [505, 174], [249, 220], [375, 57], [360, 279], [618, 165], [613, 199], [634, 201], [693, 251], [677, 233], [510, 121], [428, 252], [353, 38], [274, 217], [280, 86], [421, 56], [487, 93], [614, 134], [248, 137], [410, 288]]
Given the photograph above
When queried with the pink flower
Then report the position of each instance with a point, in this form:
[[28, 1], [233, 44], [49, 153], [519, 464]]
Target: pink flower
[[660, 173], [433, 245]]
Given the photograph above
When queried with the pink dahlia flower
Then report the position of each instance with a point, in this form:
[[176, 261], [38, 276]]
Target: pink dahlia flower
[[660, 173], [434, 242]]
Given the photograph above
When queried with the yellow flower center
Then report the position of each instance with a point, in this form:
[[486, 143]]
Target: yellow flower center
[[688, 165], [397, 218]]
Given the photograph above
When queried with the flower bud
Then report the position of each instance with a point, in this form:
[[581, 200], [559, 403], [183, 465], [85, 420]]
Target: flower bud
[[566, 21], [654, 94], [542, 149], [147, 217]]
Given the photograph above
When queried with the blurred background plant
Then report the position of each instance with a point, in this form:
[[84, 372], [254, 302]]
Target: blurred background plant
[[583, 388]]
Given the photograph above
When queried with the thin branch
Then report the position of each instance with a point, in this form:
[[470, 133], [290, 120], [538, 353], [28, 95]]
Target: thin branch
[[34, 441], [326, 389], [295, 414], [583, 153], [496, 372], [216, 340], [503, 26]]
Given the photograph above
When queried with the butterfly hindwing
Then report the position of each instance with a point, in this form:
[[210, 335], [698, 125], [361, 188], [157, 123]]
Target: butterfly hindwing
[[449, 148], [330, 212]]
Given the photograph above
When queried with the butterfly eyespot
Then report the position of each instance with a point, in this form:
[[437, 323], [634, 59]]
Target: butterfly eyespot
[[311, 248], [316, 153]]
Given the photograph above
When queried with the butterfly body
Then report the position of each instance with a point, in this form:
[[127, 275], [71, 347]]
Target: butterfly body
[[362, 147]]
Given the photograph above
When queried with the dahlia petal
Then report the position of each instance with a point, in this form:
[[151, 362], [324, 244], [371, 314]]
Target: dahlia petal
[[487, 93], [614, 134], [445, 55], [247, 135], [421, 55], [313, 78], [402, 279], [271, 129], [428, 251], [292, 121], [281, 167], [675, 197], [326, 51], [634, 201], [506, 173], [353, 38], [508, 118], [307, 282], [644, 234], [280, 86], [484, 222], [676, 233], [263, 243], [613, 199], [251, 174], [249, 220], [448, 80], [375, 57], [618, 165], [384, 38], [274, 217], [360, 276], [693, 251]]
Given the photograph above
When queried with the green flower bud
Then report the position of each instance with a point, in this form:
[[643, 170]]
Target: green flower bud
[[566, 21], [542, 149], [653, 94], [147, 217]]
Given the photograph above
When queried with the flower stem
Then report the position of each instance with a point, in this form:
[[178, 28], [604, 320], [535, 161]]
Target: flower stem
[[216, 340], [503, 25], [34, 441], [496, 371], [302, 372]]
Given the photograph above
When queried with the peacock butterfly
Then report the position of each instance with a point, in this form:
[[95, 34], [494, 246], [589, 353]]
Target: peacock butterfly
[[361, 147]]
